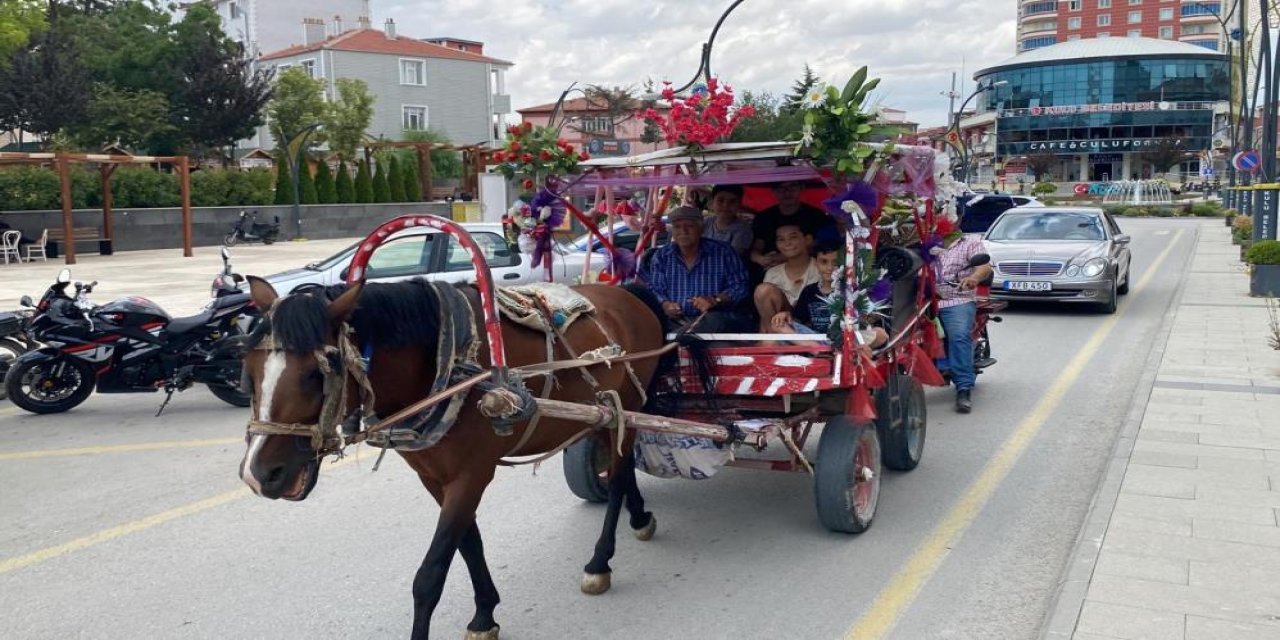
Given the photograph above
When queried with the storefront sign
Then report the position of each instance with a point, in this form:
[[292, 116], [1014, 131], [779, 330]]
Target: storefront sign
[[1109, 107], [1083, 146]]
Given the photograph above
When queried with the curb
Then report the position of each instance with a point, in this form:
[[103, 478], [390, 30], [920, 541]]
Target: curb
[[1068, 600]]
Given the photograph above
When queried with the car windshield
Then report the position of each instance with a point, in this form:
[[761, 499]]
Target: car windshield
[[1048, 225], [337, 258]]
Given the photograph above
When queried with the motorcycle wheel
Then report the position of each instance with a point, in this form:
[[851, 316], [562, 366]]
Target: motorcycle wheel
[[229, 240], [33, 387], [9, 351], [230, 395]]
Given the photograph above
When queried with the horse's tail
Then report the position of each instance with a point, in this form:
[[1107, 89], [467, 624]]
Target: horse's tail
[[697, 349]]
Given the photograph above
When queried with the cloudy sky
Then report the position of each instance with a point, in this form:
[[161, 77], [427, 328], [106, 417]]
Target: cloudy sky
[[913, 45]]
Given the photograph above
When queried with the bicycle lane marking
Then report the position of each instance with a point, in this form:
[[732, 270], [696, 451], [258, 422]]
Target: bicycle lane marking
[[901, 591]]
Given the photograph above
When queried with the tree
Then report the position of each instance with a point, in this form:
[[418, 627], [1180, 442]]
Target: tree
[[284, 180], [1165, 155], [349, 116], [445, 164], [344, 189], [135, 119], [412, 187], [771, 121], [364, 184], [618, 105], [220, 96], [50, 84], [1041, 164], [19, 20], [298, 102], [306, 184], [381, 186], [326, 190], [792, 102], [395, 180]]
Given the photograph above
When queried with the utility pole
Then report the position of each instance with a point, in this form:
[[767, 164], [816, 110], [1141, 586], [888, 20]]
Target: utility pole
[[1264, 209], [1244, 199]]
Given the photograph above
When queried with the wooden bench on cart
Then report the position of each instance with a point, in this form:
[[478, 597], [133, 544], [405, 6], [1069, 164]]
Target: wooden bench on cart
[[57, 236]]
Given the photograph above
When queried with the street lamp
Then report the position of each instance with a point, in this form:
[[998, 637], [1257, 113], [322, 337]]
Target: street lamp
[[955, 124], [1215, 11], [704, 61], [294, 147]]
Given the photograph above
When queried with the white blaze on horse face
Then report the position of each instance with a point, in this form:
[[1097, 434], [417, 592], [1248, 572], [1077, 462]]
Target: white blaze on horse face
[[271, 372], [246, 467]]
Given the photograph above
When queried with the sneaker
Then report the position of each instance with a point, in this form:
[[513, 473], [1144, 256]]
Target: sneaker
[[963, 403]]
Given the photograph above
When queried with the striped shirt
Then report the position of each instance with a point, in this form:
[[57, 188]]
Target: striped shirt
[[949, 266], [717, 270]]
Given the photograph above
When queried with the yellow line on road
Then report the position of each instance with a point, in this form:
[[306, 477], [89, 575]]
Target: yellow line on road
[[118, 448], [106, 535], [901, 591]]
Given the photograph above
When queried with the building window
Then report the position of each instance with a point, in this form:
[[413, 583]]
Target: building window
[[1135, 33], [1201, 9], [1104, 4], [1104, 20], [413, 72], [1133, 2], [1036, 43], [1104, 34], [1166, 14], [1039, 7], [595, 124], [1208, 44], [309, 66], [1135, 17], [1073, 37], [1073, 23], [1166, 33], [1074, 5], [415, 117], [234, 9], [1194, 29]]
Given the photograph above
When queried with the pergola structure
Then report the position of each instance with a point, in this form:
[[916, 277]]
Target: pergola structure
[[474, 158], [107, 164]]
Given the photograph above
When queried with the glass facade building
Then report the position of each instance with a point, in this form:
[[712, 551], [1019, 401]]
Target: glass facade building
[[1095, 106]]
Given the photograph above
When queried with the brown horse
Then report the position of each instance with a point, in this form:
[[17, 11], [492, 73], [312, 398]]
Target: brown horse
[[398, 323]]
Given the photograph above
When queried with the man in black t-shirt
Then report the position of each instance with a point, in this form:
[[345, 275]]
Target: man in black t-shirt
[[814, 222]]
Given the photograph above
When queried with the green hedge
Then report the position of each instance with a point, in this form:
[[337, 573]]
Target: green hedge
[[36, 188], [1264, 252]]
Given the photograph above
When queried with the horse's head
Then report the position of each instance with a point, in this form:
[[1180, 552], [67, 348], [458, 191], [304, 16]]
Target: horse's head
[[296, 371]]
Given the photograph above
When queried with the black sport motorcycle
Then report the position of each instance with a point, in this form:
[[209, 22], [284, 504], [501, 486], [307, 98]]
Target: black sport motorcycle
[[248, 229], [15, 340], [129, 345]]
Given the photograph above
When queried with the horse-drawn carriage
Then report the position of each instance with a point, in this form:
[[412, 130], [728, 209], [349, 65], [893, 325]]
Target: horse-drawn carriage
[[425, 368]]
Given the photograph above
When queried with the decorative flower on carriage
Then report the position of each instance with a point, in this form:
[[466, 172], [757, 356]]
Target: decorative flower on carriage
[[701, 119], [535, 158]]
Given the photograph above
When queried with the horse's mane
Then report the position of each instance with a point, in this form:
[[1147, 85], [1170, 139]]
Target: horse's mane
[[393, 315]]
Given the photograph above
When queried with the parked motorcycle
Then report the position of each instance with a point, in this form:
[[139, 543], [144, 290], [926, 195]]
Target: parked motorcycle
[[248, 229], [15, 340], [129, 345]]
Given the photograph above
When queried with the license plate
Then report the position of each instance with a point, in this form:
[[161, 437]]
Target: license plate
[[1028, 286]]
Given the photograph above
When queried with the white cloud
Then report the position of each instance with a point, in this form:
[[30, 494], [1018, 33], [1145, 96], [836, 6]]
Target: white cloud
[[913, 46]]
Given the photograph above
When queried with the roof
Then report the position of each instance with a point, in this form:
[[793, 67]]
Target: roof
[[578, 105], [1104, 48], [375, 41]]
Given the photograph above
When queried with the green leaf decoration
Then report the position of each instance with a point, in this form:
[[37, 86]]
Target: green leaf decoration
[[852, 87]]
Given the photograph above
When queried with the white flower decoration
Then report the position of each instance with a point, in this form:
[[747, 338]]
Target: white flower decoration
[[544, 213], [815, 97], [806, 135]]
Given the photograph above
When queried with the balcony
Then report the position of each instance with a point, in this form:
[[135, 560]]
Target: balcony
[[1044, 8], [1201, 11], [1046, 27]]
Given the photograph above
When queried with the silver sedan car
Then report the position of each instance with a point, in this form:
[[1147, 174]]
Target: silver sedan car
[[1059, 254]]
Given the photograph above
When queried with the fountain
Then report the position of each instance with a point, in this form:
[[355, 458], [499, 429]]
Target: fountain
[[1138, 192]]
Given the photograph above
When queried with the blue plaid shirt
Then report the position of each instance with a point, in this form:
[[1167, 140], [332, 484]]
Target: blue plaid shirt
[[718, 270]]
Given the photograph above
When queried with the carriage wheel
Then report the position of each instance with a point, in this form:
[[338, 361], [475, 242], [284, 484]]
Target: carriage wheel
[[900, 422], [586, 468], [847, 476]]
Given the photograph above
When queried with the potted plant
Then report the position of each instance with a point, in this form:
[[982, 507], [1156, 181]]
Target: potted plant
[[1241, 229], [1264, 273]]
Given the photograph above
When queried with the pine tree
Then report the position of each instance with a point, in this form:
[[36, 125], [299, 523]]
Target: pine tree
[[799, 89], [306, 184], [326, 191], [364, 184], [412, 188], [284, 182], [381, 185], [344, 189], [395, 180]]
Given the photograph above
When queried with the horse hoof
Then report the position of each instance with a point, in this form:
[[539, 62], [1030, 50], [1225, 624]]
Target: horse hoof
[[491, 634], [645, 533], [594, 584]]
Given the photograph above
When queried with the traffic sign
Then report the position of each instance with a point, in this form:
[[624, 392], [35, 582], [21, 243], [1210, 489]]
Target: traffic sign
[[1248, 161]]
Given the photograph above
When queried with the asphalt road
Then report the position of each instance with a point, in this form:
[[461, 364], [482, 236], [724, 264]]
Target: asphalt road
[[117, 524]]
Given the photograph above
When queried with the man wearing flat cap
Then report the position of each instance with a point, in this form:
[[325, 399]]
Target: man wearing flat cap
[[697, 277]]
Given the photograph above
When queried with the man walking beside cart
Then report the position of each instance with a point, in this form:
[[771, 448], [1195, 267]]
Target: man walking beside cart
[[693, 276]]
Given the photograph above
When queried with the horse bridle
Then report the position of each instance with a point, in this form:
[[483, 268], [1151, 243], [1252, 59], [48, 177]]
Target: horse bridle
[[337, 364]]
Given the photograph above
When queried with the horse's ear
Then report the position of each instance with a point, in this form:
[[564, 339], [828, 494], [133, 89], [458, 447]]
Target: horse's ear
[[263, 294], [342, 307]]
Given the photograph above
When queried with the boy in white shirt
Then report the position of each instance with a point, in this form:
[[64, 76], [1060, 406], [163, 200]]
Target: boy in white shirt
[[784, 282]]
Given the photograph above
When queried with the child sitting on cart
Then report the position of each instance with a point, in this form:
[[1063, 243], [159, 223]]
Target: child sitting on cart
[[812, 311], [784, 282]]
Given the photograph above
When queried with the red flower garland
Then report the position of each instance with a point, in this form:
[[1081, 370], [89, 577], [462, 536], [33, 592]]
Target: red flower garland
[[700, 119]]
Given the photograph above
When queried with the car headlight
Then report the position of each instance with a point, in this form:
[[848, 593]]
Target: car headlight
[[1073, 270], [1094, 267]]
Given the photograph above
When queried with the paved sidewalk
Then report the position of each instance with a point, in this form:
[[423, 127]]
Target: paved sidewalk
[[1183, 539]]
